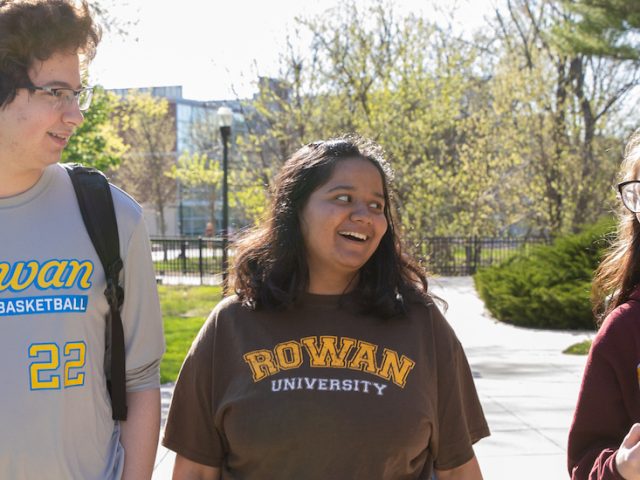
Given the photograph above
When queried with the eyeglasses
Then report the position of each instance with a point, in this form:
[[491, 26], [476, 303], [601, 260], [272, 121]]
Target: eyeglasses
[[630, 194], [66, 96]]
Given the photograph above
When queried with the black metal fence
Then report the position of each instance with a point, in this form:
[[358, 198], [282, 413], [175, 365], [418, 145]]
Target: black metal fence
[[187, 259], [458, 256], [199, 260]]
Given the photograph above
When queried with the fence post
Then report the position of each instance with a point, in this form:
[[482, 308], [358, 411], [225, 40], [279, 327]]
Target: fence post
[[183, 256], [477, 250], [200, 267]]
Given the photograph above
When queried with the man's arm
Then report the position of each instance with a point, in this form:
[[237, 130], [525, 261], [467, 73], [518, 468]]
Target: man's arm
[[467, 471], [139, 433]]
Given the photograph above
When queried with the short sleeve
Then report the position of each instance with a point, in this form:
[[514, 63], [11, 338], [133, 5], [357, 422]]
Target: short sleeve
[[141, 315], [461, 421], [190, 429]]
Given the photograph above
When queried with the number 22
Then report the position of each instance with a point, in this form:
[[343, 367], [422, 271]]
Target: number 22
[[42, 374]]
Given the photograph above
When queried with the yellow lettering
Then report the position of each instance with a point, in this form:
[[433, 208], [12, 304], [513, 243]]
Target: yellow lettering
[[71, 377], [326, 354], [365, 358], [261, 363], [56, 278], [15, 284], [76, 269], [289, 355], [4, 276], [44, 365], [395, 369]]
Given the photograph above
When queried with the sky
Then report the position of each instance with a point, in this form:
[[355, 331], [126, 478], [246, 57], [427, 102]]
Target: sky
[[216, 49]]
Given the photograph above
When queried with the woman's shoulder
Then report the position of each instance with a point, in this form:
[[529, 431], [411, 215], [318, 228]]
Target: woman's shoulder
[[624, 317], [427, 310], [223, 313], [228, 309], [620, 328], [423, 303]]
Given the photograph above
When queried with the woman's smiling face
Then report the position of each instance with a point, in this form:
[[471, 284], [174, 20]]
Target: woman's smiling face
[[342, 224]]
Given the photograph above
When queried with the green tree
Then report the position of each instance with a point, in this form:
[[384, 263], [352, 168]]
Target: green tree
[[604, 28], [96, 142], [148, 129], [197, 171], [412, 87], [509, 130], [565, 104]]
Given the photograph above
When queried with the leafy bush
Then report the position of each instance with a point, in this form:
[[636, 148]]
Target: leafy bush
[[548, 287]]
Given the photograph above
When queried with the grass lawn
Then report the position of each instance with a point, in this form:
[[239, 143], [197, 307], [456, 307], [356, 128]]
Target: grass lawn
[[581, 348], [184, 310], [187, 265]]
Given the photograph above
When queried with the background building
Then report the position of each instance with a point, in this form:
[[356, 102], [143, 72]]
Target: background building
[[196, 131]]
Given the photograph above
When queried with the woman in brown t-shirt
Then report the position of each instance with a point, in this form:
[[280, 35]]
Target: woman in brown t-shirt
[[332, 360]]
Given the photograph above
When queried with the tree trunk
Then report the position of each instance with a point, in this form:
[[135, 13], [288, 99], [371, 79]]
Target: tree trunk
[[584, 197]]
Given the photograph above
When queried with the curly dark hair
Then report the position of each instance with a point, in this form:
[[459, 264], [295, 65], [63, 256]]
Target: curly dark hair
[[33, 30], [271, 270]]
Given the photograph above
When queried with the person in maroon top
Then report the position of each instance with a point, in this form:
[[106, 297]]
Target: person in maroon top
[[332, 360], [604, 440]]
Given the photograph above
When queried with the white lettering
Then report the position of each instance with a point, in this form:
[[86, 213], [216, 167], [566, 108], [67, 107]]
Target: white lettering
[[380, 387], [327, 384]]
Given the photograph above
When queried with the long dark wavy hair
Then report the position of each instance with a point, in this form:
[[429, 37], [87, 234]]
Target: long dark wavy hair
[[619, 272], [271, 269]]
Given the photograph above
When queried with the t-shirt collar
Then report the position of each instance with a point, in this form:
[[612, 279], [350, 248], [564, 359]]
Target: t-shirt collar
[[28, 195]]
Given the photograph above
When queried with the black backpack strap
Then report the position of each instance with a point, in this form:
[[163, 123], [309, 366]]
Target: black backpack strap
[[96, 205]]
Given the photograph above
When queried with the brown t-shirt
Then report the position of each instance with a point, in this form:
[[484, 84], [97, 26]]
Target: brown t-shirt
[[321, 392]]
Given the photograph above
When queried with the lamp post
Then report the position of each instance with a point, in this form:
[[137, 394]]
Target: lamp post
[[225, 117]]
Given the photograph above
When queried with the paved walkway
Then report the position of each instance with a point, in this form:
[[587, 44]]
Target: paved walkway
[[527, 386]]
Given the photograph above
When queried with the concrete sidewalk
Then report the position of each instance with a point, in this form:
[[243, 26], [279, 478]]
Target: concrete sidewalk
[[527, 386]]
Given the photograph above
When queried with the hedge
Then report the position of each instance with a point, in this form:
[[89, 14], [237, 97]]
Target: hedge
[[550, 286]]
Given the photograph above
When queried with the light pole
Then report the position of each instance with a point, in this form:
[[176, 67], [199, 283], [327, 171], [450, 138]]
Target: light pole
[[225, 118]]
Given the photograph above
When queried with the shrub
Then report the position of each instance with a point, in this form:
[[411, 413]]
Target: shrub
[[549, 287]]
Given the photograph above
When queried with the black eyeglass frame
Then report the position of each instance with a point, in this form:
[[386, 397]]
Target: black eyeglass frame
[[621, 185], [54, 91]]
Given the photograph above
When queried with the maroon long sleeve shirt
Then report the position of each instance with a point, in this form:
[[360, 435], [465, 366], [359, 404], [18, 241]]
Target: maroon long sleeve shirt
[[609, 400]]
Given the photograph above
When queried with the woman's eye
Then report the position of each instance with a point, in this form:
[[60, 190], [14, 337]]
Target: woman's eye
[[344, 198], [376, 205]]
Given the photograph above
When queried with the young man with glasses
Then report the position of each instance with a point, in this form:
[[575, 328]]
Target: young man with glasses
[[55, 409]]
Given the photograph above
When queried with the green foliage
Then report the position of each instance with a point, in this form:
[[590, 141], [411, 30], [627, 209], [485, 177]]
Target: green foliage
[[605, 28], [196, 170], [184, 310], [248, 198], [148, 129], [581, 348], [96, 142], [548, 287], [486, 137]]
